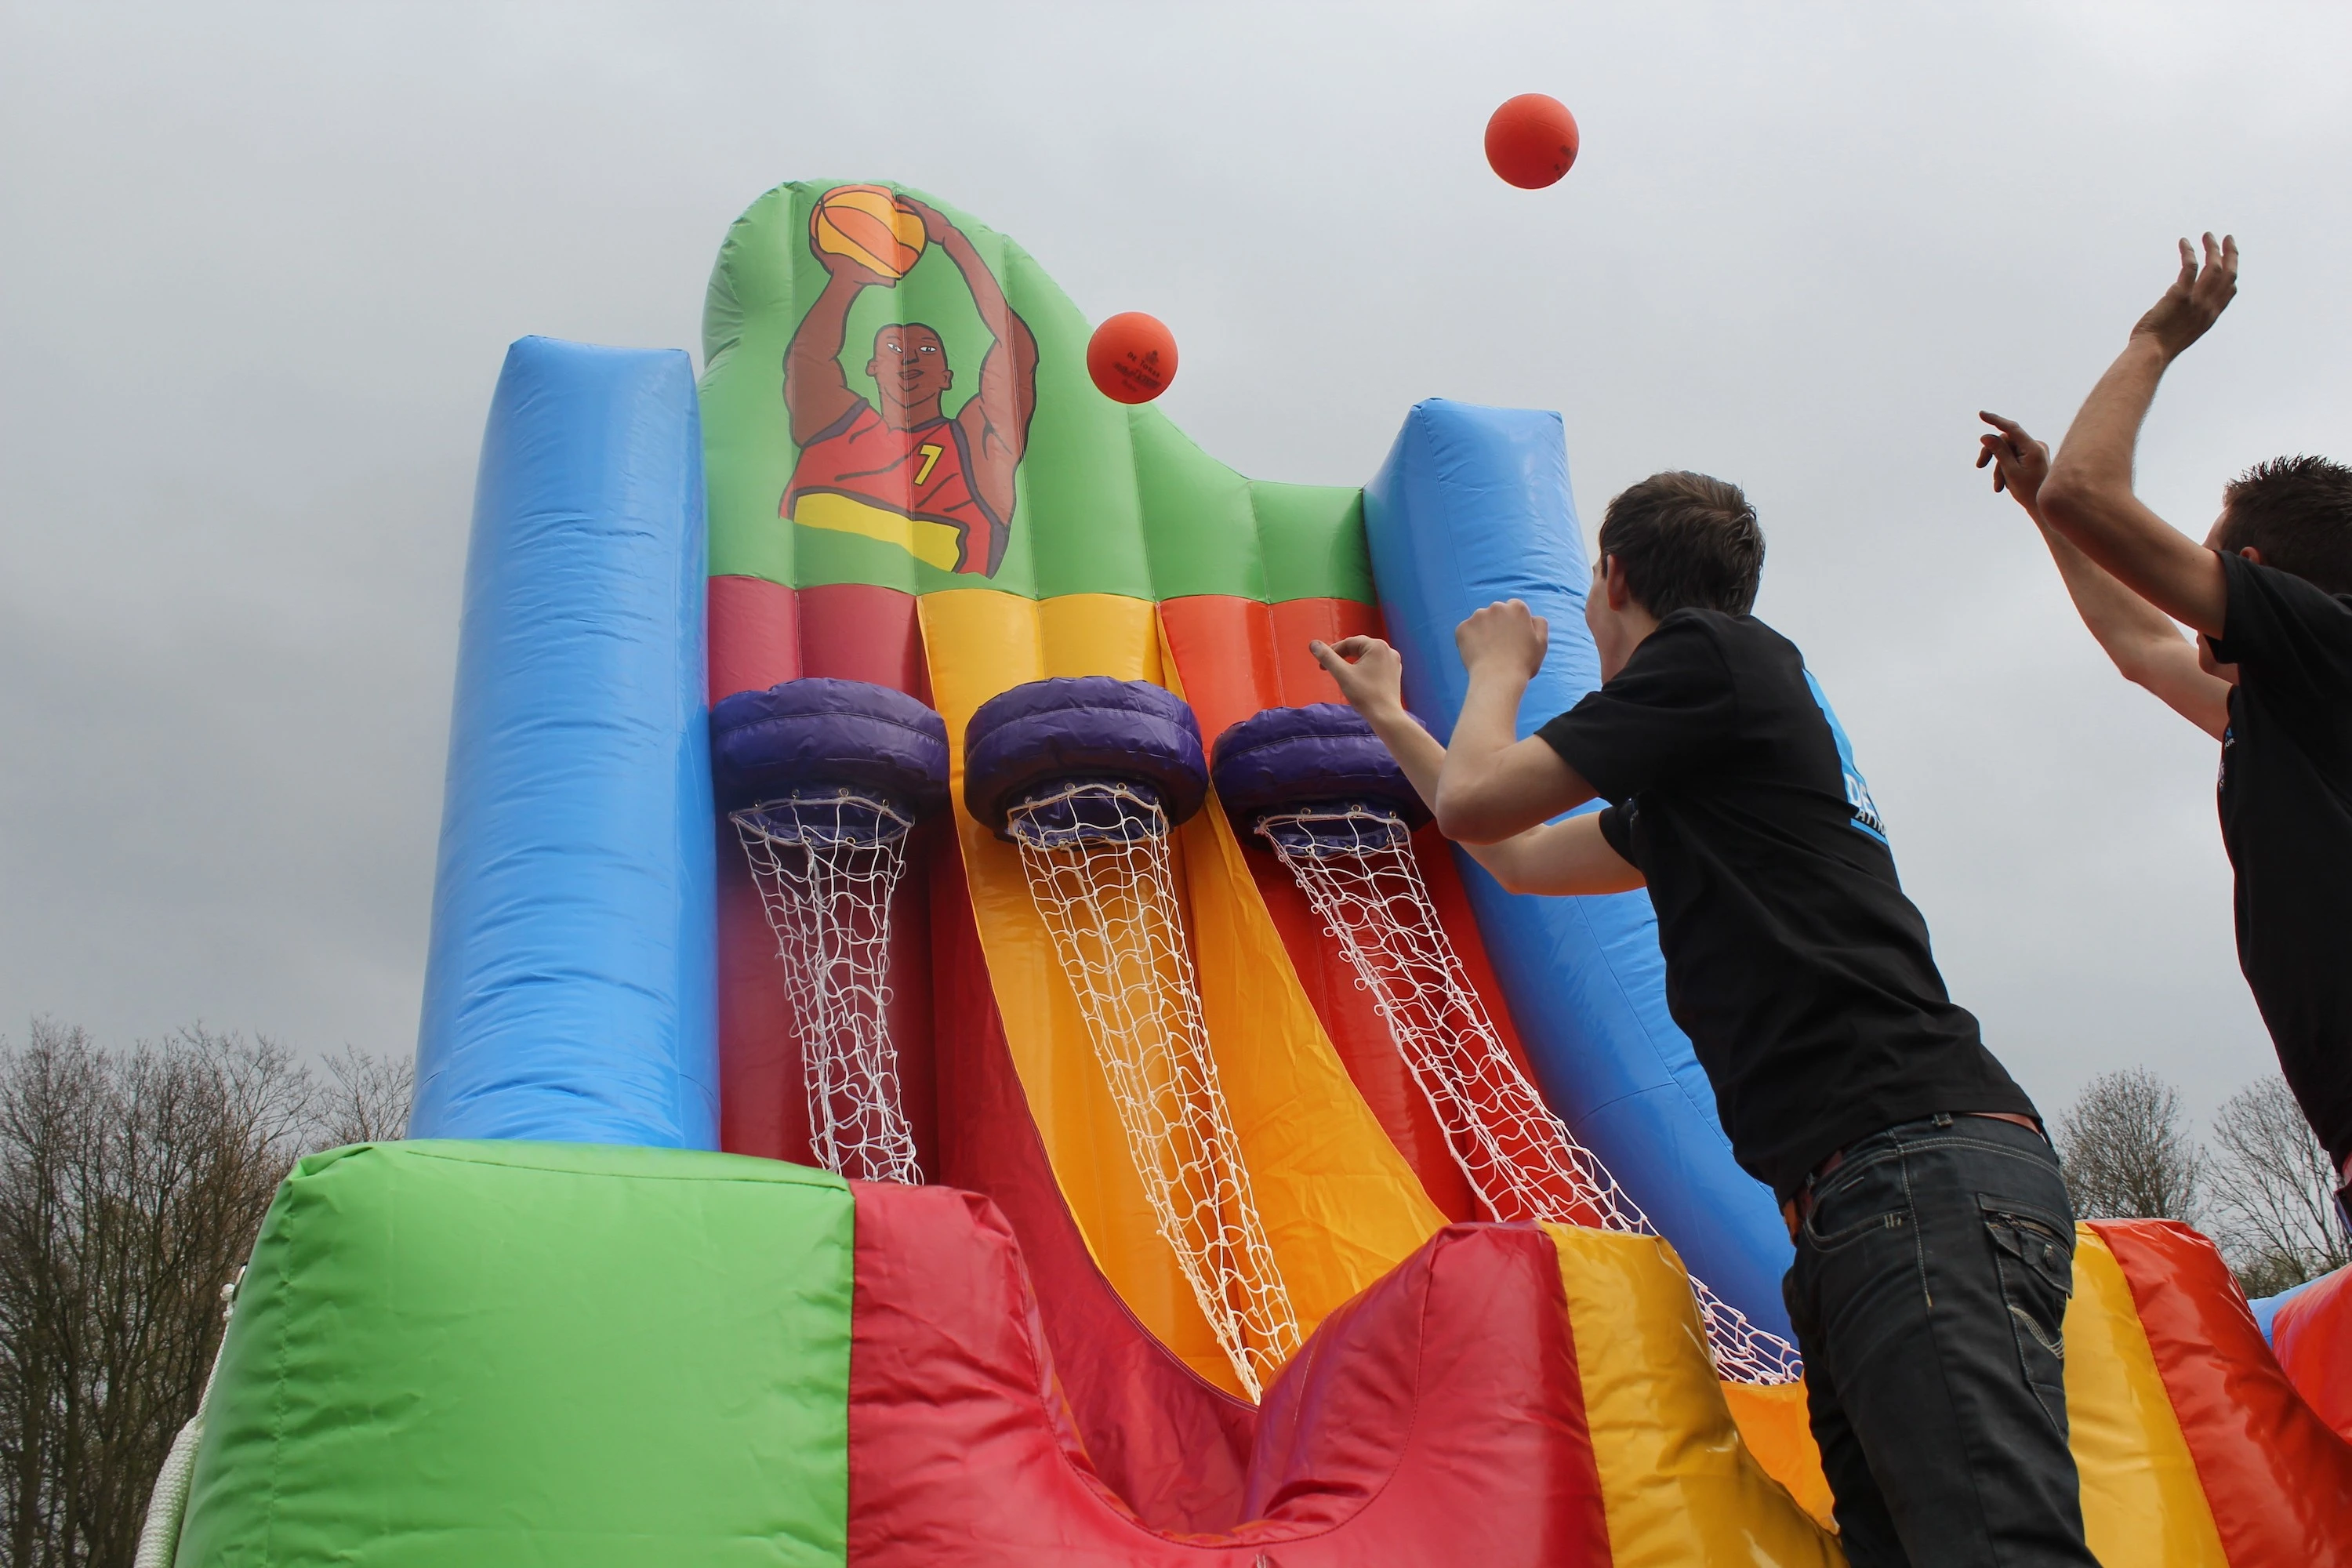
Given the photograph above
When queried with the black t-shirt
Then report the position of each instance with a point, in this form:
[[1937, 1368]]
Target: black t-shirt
[[2286, 819], [1794, 962]]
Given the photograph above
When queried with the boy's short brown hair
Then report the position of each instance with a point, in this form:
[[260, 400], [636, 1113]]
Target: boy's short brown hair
[[1686, 539], [2297, 512]]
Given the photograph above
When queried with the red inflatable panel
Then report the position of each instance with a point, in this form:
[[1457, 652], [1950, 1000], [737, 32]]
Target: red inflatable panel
[[761, 634], [1436, 1420], [1173, 1447], [2278, 1480], [2313, 1337]]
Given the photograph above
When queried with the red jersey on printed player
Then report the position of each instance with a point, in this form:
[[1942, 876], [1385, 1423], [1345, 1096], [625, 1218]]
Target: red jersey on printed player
[[901, 470], [922, 473]]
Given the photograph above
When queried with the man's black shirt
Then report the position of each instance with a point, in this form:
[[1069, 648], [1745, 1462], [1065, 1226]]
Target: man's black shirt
[[1794, 962], [2287, 820]]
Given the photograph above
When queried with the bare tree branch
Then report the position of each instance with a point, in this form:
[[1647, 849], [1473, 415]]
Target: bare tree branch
[[131, 1185], [2273, 1192], [2127, 1152], [368, 1100]]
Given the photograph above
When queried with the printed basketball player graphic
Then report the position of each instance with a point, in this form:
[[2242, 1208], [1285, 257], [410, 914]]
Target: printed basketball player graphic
[[907, 473]]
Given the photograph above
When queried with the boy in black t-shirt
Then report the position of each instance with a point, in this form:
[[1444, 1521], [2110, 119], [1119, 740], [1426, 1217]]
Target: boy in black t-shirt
[[2269, 676], [1934, 1245]]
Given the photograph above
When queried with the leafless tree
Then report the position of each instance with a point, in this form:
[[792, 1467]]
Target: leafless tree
[[366, 1099], [2127, 1151], [131, 1186], [2273, 1192]]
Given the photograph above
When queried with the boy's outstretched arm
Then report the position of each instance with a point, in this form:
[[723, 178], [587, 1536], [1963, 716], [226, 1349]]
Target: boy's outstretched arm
[[1495, 785], [2089, 494], [2148, 648], [1557, 857]]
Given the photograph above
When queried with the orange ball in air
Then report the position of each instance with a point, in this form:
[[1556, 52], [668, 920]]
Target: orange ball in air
[[1132, 357], [1531, 140]]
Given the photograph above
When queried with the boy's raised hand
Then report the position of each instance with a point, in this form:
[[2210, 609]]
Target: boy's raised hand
[[2019, 462], [2197, 298], [1505, 638], [1368, 671]]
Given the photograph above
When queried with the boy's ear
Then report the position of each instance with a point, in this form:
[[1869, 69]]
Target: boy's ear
[[1615, 590]]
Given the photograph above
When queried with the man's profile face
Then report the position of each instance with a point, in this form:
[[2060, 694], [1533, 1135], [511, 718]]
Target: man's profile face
[[909, 365]]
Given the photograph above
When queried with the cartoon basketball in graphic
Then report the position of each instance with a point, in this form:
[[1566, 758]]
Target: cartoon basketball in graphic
[[907, 473], [870, 225]]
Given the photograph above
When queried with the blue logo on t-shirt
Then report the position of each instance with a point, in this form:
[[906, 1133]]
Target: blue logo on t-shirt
[[1857, 789]]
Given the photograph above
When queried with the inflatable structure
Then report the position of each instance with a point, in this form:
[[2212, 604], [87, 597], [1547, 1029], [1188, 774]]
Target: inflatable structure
[[944, 1045]]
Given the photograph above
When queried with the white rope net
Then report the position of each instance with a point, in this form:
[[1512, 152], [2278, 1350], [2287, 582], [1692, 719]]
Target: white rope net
[[825, 865], [1099, 871], [1356, 865]]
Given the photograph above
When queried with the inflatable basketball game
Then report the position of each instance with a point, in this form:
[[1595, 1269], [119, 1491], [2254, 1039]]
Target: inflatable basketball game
[[944, 1044]]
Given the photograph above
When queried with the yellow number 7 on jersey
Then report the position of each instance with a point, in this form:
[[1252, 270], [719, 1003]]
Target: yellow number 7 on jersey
[[930, 455]]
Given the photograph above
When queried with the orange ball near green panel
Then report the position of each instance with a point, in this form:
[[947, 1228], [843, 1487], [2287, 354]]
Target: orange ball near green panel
[[1132, 357]]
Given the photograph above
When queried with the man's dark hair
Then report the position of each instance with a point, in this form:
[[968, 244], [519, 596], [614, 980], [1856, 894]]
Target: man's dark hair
[[2297, 512], [1686, 540]]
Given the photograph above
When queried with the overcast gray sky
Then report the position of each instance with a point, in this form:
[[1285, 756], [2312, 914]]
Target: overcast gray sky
[[258, 266]]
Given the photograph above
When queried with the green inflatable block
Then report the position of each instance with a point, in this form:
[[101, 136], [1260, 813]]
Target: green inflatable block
[[516, 1355]]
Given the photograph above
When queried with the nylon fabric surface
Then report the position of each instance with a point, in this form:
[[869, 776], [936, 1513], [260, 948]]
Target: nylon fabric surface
[[2312, 1332], [1432, 1422], [817, 731], [451, 1355], [2278, 1480], [1086, 727], [1473, 505], [2142, 1502], [1339, 1205], [762, 633], [1319, 753], [570, 984], [1682, 1489], [979, 643], [1173, 1447]]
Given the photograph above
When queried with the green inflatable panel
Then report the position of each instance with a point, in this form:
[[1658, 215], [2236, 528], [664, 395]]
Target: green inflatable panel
[[1102, 499], [511, 1354]]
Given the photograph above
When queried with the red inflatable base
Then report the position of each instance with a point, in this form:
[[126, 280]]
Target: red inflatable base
[[1431, 1421]]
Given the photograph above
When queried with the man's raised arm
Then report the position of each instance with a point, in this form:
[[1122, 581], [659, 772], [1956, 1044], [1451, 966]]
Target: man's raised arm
[[2089, 497], [2146, 646], [816, 392], [1495, 785], [996, 422], [1556, 857]]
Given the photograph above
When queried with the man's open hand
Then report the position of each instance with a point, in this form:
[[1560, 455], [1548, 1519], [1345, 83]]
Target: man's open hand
[[2019, 462], [1507, 640], [2197, 298], [1369, 672]]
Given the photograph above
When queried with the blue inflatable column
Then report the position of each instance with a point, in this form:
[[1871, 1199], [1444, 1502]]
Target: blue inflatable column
[[1472, 506], [570, 986]]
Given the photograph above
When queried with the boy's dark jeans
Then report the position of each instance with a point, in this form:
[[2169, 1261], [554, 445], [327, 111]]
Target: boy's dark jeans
[[1930, 1283]]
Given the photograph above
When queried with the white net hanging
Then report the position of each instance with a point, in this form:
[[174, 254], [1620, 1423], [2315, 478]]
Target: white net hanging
[[1099, 869], [825, 864], [1356, 865]]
